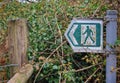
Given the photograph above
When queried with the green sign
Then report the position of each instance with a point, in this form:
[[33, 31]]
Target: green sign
[[85, 35]]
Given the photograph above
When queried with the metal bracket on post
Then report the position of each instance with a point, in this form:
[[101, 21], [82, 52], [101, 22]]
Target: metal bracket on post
[[111, 37]]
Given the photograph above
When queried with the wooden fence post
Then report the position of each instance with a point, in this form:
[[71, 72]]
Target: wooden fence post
[[111, 37], [17, 43]]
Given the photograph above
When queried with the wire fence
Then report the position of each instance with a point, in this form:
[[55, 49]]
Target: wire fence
[[9, 65]]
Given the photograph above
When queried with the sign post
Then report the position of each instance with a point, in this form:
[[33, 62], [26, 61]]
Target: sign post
[[85, 35], [111, 37]]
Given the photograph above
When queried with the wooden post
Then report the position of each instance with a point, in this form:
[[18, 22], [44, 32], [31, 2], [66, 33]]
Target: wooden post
[[17, 43], [111, 37]]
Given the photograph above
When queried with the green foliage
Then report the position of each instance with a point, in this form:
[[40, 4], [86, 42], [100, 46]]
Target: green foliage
[[47, 22], [117, 42]]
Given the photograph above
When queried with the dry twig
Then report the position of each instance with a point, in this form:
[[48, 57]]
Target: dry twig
[[91, 75], [83, 68]]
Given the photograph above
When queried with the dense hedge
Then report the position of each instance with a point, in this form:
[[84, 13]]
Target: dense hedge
[[47, 22]]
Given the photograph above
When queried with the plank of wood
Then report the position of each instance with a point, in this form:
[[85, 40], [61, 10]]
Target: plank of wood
[[17, 41]]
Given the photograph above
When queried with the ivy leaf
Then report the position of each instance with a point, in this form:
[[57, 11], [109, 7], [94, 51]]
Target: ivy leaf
[[55, 67]]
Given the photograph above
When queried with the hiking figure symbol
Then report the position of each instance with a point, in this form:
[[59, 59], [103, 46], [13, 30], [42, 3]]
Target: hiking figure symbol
[[89, 34]]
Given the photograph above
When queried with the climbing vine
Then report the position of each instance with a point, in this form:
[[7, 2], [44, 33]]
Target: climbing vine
[[48, 50]]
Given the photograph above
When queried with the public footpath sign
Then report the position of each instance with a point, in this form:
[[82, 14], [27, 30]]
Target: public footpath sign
[[85, 35]]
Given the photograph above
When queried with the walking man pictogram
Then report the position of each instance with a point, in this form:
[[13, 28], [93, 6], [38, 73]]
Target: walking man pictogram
[[89, 34]]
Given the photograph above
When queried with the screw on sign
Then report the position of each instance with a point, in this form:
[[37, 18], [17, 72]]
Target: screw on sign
[[85, 35]]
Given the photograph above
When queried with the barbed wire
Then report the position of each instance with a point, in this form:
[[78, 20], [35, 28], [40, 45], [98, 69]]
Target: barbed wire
[[3, 81], [9, 65]]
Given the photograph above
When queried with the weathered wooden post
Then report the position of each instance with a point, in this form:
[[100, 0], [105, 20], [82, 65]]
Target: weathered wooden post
[[17, 43], [111, 37]]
